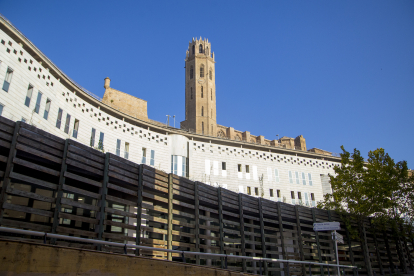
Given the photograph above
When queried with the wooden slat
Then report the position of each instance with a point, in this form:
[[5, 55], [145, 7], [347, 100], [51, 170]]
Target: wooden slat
[[66, 230], [42, 133], [27, 209], [88, 153], [83, 179], [121, 189], [80, 191], [82, 166], [120, 200], [35, 166], [33, 180], [123, 178], [4, 144], [26, 225], [44, 139], [30, 195], [71, 202], [118, 212], [39, 153], [85, 161], [39, 146], [78, 218]]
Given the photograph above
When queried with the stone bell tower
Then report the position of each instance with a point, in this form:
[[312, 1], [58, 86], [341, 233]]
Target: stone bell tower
[[200, 88]]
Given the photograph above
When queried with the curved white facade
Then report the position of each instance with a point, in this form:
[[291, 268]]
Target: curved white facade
[[234, 165]]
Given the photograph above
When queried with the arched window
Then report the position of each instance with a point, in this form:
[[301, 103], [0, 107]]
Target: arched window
[[191, 92], [211, 93], [202, 92], [193, 49], [200, 50], [202, 71], [207, 52], [210, 75], [202, 111], [202, 127], [191, 72]]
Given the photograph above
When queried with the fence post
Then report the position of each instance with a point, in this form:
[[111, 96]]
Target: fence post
[[351, 253], [365, 249], [262, 234], [220, 210], [170, 215], [377, 249], [243, 238], [387, 246], [318, 246], [334, 244], [9, 169], [197, 220], [399, 251], [300, 241], [102, 203], [282, 237], [139, 209], [59, 195]]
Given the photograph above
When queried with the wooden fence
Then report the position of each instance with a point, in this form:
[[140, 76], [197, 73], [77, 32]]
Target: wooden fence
[[61, 186]]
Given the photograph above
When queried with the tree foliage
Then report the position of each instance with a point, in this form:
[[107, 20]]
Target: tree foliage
[[378, 188]]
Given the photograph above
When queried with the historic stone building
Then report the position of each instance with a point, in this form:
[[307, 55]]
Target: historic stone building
[[35, 90]]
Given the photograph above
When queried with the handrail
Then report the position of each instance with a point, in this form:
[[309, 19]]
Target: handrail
[[260, 259]]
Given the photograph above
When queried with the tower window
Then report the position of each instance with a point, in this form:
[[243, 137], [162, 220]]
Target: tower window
[[202, 111], [211, 93], [207, 52], [202, 92], [211, 129], [210, 75], [191, 72], [202, 71], [200, 49], [191, 89], [193, 49], [202, 127]]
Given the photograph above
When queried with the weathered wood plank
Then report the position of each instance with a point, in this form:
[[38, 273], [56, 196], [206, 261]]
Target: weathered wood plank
[[33, 180], [83, 179], [82, 167], [120, 200], [30, 195], [77, 232], [26, 225], [27, 209], [87, 152], [86, 161], [39, 153], [71, 202], [43, 137], [42, 133], [35, 166], [123, 178], [118, 212], [40, 146], [80, 191], [78, 218], [122, 189]]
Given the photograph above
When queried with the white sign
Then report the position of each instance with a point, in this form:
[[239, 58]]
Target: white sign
[[326, 226], [338, 237]]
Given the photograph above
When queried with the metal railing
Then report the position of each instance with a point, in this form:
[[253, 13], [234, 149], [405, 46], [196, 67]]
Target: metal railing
[[182, 253]]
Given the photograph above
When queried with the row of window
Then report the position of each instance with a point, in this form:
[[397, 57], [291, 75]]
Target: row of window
[[294, 177], [28, 99], [67, 123], [200, 49], [202, 93], [305, 196], [210, 73]]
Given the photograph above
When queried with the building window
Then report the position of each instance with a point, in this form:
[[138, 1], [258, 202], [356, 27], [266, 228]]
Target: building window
[[47, 109], [310, 179], [193, 49], [299, 195], [247, 169], [126, 152], [278, 193], [101, 141], [292, 195], [303, 178], [118, 147], [179, 165], [59, 118], [152, 161], [271, 193], [223, 166], [67, 123], [239, 167], [1, 109], [7, 79], [202, 71], [290, 177], [28, 95], [210, 75], [191, 72], [277, 175], [93, 137], [191, 89], [297, 178], [202, 111], [249, 191], [75, 129], [200, 49], [144, 156], [256, 191], [39, 98], [202, 92]]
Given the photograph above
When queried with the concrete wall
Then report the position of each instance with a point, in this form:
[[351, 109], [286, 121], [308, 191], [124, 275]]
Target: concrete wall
[[22, 258]]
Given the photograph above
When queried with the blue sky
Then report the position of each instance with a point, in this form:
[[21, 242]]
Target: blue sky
[[337, 72]]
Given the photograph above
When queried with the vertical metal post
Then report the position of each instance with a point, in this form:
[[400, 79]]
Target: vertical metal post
[[300, 241], [170, 215], [243, 238], [197, 220], [262, 234], [220, 209], [282, 237], [102, 202], [9, 169], [334, 238], [139, 209], [318, 245], [59, 195]]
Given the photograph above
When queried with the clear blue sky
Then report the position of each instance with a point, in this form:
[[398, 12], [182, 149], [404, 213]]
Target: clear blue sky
[[337, 72]]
